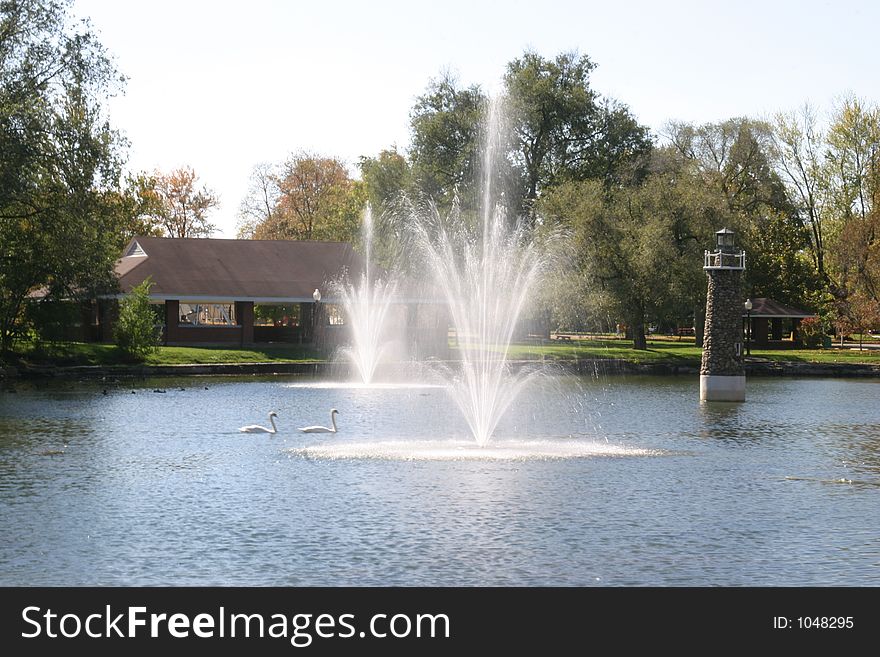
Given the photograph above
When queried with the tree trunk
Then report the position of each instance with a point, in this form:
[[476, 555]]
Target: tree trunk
[[637, 326], [699, 323]]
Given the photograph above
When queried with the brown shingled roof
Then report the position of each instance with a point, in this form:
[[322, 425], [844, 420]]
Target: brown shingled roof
[[764, 307], [241, 270]]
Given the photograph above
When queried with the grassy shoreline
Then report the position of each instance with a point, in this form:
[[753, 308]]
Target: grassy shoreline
[[673, 352]]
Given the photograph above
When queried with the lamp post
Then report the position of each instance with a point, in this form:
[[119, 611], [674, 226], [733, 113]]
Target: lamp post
[[316, 295], [748, 306]]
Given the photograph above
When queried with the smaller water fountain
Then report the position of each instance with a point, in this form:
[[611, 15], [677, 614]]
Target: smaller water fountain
[[366, 303]]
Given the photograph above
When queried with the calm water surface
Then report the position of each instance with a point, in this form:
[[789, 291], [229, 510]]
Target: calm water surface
[[620, 481]]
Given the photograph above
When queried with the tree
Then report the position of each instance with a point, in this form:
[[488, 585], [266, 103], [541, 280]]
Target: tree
[[859, 313], [853, 155], [445, 143], [639, 248], [799, 158], [59, 159], [308, 198], [135, 204], [557, 129], [261, 202], [135, 330], [834, 176], [855, 257], [385, 178], [564, 131], [180, 205], [811, 331], [733, 159], [853, 158]]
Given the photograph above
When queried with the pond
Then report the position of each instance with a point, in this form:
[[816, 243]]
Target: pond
[[607, 481]]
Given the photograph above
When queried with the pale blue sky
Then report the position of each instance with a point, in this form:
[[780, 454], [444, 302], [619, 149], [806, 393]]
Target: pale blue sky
[[222, 86]]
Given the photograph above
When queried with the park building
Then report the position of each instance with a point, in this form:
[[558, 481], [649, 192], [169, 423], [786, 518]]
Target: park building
[[770, 323], [242, 292]]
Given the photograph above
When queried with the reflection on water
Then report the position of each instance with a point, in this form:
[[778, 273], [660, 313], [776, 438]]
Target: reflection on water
[[467, 450], [619, 481]]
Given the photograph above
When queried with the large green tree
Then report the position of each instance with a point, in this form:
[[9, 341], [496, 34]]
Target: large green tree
[[854, 159], [59, 158], [445, 140], [564, 130], [638, 248], [552, 125]]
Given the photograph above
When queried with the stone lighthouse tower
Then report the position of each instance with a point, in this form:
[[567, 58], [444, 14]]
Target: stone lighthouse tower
[[722, 377]]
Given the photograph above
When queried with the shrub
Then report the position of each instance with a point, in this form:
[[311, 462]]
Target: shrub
[[136, 332], [811, 332]]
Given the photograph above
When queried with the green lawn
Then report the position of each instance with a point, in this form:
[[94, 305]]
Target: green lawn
[[681, 352], [90, 353], [659, 351], [833, 355], [263, 354]]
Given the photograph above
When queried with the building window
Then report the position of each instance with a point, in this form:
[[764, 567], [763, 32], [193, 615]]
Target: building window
[[277, 315], [207, 314]]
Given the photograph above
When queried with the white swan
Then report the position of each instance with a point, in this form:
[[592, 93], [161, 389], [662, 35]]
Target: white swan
[[256, 428], [320, 429]]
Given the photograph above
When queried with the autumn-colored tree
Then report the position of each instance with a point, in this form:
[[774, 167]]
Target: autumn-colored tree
[[811, 331], [180, 205], [859, 314], [307, 198], [833, 178]]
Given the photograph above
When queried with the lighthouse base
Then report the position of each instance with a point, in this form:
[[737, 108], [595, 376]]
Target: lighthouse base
[[722, 388]]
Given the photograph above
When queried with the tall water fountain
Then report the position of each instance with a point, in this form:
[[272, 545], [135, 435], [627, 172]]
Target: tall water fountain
[[482, 271], [366, 303], [485, 274]]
